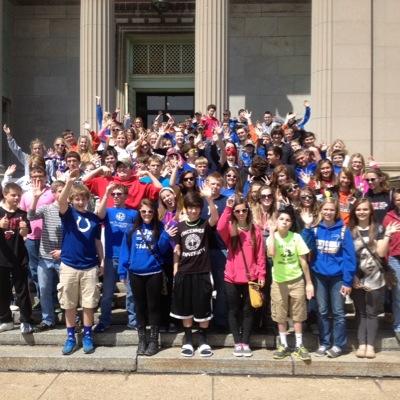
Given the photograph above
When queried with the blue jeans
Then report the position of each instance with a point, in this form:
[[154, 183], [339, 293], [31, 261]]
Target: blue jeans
[[109, 279], [220, 311], [32, 246], [47, 273], [331, 302], [395, 264]]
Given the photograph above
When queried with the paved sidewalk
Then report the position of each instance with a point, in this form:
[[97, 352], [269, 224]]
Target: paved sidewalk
[[102, 386]]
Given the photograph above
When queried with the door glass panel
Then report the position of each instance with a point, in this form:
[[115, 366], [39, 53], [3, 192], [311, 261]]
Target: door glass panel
[[180, 102], [155, 102]]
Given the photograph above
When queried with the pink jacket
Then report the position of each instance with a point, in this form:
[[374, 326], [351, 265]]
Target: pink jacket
[[235, 269]]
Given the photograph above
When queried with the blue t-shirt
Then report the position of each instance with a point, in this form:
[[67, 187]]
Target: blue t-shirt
[[116, 222], [80, 231], [164, 180]]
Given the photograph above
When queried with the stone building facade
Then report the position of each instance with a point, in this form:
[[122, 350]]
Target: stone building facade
[[145, 55]]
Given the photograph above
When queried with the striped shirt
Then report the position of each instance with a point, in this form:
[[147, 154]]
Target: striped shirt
[[52, 231]]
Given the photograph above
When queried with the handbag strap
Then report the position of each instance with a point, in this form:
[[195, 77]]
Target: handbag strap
[[365, 246]]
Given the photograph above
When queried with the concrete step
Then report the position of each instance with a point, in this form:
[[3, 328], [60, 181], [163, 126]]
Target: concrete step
[[49, 358], [386, 364], [121, 336]]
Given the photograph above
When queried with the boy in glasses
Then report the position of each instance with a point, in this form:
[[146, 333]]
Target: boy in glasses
[[193, 285], [117, 220]]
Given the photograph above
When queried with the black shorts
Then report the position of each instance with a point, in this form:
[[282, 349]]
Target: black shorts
[[192, 297]]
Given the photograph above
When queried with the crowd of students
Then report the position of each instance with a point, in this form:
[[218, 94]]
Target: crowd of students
[[186, 214]]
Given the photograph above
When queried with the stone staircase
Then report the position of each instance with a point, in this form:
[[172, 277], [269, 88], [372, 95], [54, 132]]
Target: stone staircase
[[116, 351]]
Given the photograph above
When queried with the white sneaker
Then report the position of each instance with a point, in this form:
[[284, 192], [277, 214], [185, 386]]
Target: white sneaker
[[6, 326], [26, 327], [13, 307]]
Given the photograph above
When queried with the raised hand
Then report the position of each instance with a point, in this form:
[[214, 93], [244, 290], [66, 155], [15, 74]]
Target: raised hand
[[393, 227], [37, 191], [172, 230], [230, 202], [7, 130], [10, 170], [206, 192]]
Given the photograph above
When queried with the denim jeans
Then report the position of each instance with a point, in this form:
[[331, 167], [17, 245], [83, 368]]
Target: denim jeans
[[330, 302], [47, 272], [395, 264], [109, 279], [32, 246]]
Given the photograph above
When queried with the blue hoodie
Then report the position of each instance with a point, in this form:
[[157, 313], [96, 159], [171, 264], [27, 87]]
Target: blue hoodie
[[136, 256], [333, 250]]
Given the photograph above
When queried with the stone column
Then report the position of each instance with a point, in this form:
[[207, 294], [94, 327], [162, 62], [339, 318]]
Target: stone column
[[211, 41], [341, 88], [97, 58]]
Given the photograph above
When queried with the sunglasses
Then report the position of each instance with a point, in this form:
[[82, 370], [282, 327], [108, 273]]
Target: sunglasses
[[266, 196], [292, 189], [59, 145], [306, 197], [191, 178], [241, 211], [148, 212], [231, 176], [116, 194], [371, 180]]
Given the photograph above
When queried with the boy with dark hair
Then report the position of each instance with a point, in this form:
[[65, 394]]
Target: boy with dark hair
[[14, 227], [82, 261], [193, 286]]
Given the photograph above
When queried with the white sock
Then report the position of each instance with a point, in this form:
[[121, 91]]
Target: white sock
[[299, 339], [283, 338]]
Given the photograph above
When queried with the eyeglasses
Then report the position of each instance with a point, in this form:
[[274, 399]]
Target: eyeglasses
[[148, 212], [266, 196], [241, 211], [371, 180], [190, 178], [116, 194], [306, 197]]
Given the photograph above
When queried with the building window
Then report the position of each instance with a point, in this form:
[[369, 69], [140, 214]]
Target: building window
[[162, 59]]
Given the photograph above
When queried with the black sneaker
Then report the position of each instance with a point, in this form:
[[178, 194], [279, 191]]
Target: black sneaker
[[281, 352], [42, 327], [334, 352]]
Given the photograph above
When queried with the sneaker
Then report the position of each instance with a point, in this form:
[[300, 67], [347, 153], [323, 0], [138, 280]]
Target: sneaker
[[132, 327], [26, 327], [99, 328], [334, 352], [246, 350], [13, 307], [43, 327], [281, 352], [302, 353], [187, 350], [69, 346], [87, 344], [205, 350], [397, 334], [237, 350], [6, 326], [321, 351]]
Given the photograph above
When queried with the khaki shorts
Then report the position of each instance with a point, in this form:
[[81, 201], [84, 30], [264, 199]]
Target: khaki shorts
[[78, 287], [288, 297]]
